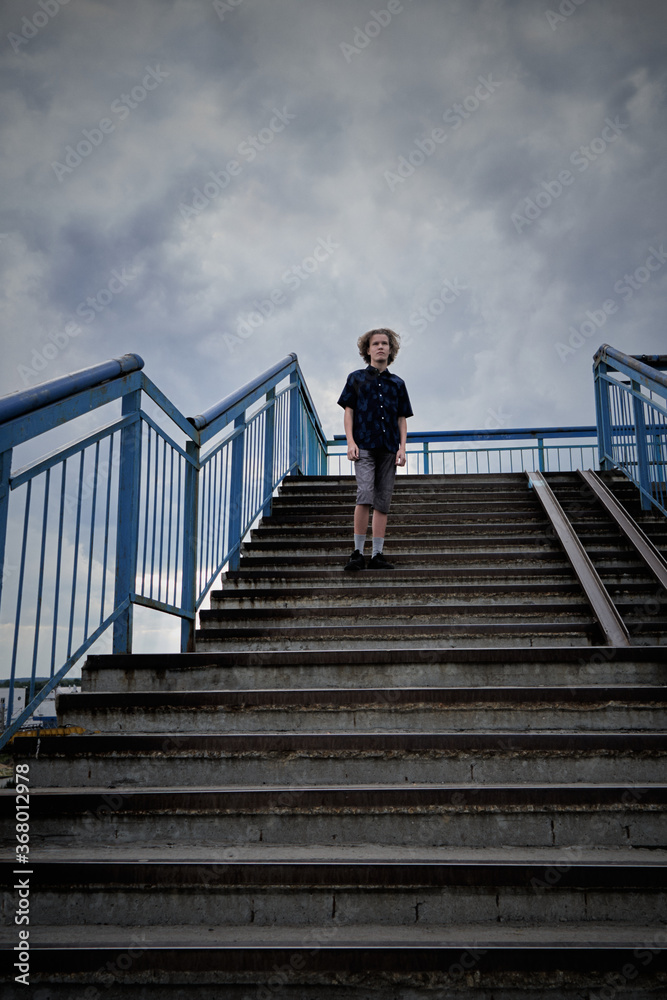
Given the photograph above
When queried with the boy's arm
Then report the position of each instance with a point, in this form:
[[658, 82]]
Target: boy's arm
[[352, 449], [403, 436]]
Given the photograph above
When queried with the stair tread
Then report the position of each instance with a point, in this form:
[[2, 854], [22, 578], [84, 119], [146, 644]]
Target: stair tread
[[404, 654], [148, 852], [358, 937]]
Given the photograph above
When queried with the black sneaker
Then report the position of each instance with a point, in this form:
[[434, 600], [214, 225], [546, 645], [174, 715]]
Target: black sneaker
[[355, 562], [379, 562]]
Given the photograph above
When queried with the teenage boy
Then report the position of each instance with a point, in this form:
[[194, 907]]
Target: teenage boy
[[377, 406]]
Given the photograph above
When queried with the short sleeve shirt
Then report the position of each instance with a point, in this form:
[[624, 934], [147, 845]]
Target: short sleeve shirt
[[378, 399]]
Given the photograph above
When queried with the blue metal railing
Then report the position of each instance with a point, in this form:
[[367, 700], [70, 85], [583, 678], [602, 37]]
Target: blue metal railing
[[631, 406], [127, 515], [425, 454]]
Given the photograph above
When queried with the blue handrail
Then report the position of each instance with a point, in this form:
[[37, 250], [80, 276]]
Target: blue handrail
[[487, 450], [129, 515], [631, 407]]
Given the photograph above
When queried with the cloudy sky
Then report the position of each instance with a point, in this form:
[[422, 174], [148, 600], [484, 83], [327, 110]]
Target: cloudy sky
[[215, 184]]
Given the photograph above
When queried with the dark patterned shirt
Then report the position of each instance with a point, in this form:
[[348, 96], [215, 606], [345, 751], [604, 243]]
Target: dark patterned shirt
[[378, 400]]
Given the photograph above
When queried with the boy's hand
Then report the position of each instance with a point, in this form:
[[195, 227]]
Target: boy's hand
[[352, 452], [400, 456]]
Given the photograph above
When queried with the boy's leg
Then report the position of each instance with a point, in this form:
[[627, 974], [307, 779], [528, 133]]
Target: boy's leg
[[385, 474], [379, 529], [361, 517], [364, 470]]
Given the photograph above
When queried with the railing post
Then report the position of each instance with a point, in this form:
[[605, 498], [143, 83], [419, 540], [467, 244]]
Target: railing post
[[127, 531], [643, 470], [427, 466], [5, 472], [540, 454], [190, 546], [236, 493], [602, 416], [269, 433], [294, 422]]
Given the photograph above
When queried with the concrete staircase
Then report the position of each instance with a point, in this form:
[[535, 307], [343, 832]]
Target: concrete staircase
[[433, 781]]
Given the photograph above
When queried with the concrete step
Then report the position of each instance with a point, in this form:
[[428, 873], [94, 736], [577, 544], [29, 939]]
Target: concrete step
[[501, 962], [375, 592], [439, 560], [505, 608], [466, 634], [428, 709], [429, 541], [517, 530], [335, 758], [409, 504], [543, 574], [338, 516], [395, 666], [342, 894], [456, 814]]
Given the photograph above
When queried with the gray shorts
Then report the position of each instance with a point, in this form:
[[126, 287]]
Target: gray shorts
[[375, 471]]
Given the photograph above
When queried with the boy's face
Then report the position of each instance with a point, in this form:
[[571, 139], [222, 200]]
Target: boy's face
[[378, 349]]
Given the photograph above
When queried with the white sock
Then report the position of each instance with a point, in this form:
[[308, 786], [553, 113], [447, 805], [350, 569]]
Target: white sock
[[359, 542], [378, 543]]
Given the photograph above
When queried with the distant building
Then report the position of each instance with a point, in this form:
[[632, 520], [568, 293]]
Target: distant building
[[45, 713], [18, 706]]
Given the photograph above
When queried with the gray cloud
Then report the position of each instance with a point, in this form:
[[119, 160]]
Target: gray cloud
[[199, 264]]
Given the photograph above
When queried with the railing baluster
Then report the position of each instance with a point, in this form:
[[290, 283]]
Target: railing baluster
[[19, 600], [156, 461], [146, 495], [190, 538], [91, 545], [40, 584], [75, 565], [5, 472], [127, 531], [107, 518], [56, 599]]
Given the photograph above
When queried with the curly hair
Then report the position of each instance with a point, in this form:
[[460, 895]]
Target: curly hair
[[394, 344]]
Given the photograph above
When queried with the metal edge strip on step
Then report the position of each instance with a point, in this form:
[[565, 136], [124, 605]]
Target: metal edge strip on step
[[597, 595], [641, 542]]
